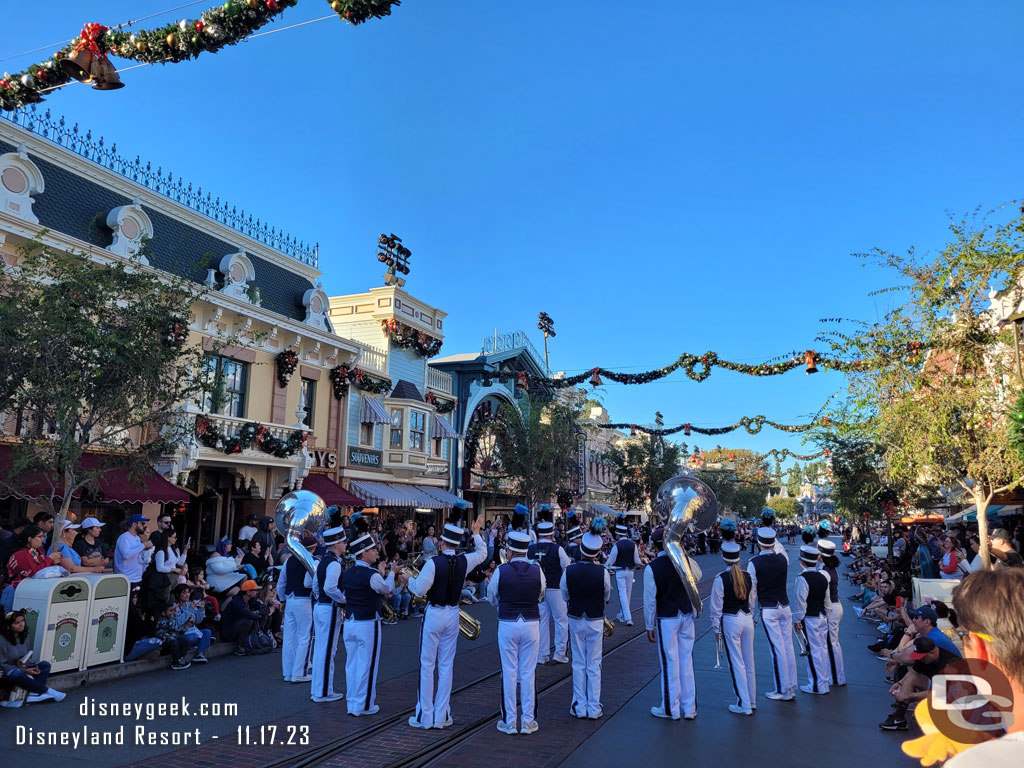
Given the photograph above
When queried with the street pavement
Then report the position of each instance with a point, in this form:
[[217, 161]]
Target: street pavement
[[837, 730]]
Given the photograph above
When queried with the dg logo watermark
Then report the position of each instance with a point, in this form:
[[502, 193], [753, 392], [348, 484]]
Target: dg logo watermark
[[971, 701]]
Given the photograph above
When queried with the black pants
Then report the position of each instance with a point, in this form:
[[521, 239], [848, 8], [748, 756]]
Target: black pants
[[177, 647]]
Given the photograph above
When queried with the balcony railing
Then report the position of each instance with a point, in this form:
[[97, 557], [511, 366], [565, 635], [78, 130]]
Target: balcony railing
[[439, 381], [373, 359], [512, 341], [163, 183], [230, 426]]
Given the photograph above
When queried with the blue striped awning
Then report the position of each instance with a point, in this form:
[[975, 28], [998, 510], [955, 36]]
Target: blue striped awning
[[603, 509], [371, 411], [448, 499], [395, 495], [442, 428]]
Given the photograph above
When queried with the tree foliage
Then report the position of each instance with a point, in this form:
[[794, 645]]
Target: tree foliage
[[739, 477], [92, 359], [785, 508], [641, 465], [933, 380]]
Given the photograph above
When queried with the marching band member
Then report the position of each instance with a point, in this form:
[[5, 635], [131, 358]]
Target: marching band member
[[516, 589], [768, 572], [811, 604], [667, 605], [295, 590], [553, 561], [440, 581], [328, 602], [623, 559], [732, 620], [824, 530], [807, 534], [521, 522], [768, 521], [573, 534], [728, 528], [586, 587], [363, 586], [830, 565]]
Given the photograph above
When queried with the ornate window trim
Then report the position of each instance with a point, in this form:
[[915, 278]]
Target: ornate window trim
[[239, 272], [20, 179], [317, 306], [131, 225]]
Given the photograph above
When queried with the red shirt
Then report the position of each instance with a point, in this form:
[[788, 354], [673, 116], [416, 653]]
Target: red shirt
[[25, 563]]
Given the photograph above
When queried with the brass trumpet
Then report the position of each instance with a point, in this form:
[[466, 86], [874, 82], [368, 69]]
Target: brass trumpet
[[609, 627], [469, 627]]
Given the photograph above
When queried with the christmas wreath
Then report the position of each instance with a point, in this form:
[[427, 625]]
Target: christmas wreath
[[342, 376], [252, 433], [441, 406], [287, 362]]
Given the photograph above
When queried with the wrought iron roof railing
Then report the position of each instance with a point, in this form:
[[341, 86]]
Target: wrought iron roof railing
[[163, 183], [507, 342]]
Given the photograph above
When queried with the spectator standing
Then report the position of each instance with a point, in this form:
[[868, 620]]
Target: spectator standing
[[130, 546], [1003, 553], [44, 522], [247, 531], [88, 545], [429, 544], [265, 536]]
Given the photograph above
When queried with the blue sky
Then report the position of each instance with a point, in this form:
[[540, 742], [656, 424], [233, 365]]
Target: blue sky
[[674, 177]]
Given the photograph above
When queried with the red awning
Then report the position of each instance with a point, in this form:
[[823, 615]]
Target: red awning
[[115, 484], [330, 491]]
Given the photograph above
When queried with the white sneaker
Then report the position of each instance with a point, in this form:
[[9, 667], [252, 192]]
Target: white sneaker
[[809, 688], [776, 696], [563, 659], [303, 679], [543, 659], [736, 709], [56, 695], [35, 698], [530, 727], [690, 716], [506, 727], [445, 724], [331, 697], [416, 724], [12, 704], [371, 711], [660, 712]]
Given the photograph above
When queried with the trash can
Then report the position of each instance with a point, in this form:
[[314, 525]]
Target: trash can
[[56, 616], [108, 618]]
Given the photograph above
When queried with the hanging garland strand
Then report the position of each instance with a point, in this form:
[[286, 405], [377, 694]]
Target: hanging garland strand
[[776, 454], [753, 425], [216, 28]]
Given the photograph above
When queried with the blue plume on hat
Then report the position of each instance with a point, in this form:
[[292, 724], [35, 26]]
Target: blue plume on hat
[[519, 517], [825, 525], [522, 509], [727, 524], [767, 512], [620, 517], [545, 508], [597, 525], [570, 516]]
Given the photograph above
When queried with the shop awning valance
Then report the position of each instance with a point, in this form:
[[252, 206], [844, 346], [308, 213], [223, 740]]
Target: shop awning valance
[[399, 495], [442, 428], [331, 492], [372, 411], [602, 509], [115, 485], [446, 498]]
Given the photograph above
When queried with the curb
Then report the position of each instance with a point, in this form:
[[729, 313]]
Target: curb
[[69, 681]]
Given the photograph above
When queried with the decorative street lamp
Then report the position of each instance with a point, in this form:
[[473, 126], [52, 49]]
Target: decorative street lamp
[[547, 326], [390, 251]]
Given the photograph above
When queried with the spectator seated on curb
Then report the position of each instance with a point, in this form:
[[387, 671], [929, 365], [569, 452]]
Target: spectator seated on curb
[[72, 561], [271, 612], [171, 639], [16, 664], [240, 620], [139, 637], [188, 615], [197, 580], [254, 563], [88, 544], [223, 575]]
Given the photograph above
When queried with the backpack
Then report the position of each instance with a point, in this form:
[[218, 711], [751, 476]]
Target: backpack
[[258, 642]]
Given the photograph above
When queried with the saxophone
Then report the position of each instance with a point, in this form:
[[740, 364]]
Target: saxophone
[[469, 627]]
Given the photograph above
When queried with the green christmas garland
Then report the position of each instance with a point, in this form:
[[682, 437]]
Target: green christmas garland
[[406, 336], [441, 406], [249, 435], [342, 376], [753, 425], [216, 28]]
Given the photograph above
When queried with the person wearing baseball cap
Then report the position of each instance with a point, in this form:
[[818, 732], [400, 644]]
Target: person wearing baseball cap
[[128, 553], [516, 589], [72, 560], [1002, 551], [364, 585], [88, 546], [586, 587], [239, 617], [925, 659]]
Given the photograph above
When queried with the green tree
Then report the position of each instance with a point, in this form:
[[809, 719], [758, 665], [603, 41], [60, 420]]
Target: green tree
[[794, 479], [933, 381], [641, 465], [530, 449], [739, 477], [785, 508], [92, 359]]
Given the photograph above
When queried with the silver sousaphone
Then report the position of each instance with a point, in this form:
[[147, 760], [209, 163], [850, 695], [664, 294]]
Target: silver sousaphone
[[297, 513], [685, 504]]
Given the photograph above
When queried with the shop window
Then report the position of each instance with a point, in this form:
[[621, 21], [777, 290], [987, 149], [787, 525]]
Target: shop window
[[366, 434], [437, 448], [226, 382], [396, 428], [417, 430], [307, 399]]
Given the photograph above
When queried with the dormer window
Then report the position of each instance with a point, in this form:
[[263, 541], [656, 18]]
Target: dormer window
[[239, 272], [316, 304], [20, 178], [131, 226]]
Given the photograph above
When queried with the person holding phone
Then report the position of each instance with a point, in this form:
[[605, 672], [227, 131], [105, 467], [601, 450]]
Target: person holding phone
[[15, 655]]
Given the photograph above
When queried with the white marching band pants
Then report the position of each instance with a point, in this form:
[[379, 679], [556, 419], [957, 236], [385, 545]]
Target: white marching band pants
[[439, 635], [586, 637], [362, 655], [778, 626], [675, 649], [297, 637], [738, 639], [327, 626], [624, 586], [816, 630], [553, 608], [518, 644], [836, 668]]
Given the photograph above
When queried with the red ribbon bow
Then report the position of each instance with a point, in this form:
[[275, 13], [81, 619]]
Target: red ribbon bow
[[90, 39]]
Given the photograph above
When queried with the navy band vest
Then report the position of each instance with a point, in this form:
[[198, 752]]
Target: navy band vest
[[771, 569], [449, 576], [585, 585], [546, 553], [833, 583], [573, 551], [519, 591], [625, 555], [731, 604], [294, 576], [670, 594], [817, 584], [361, 602], [321, 574]]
